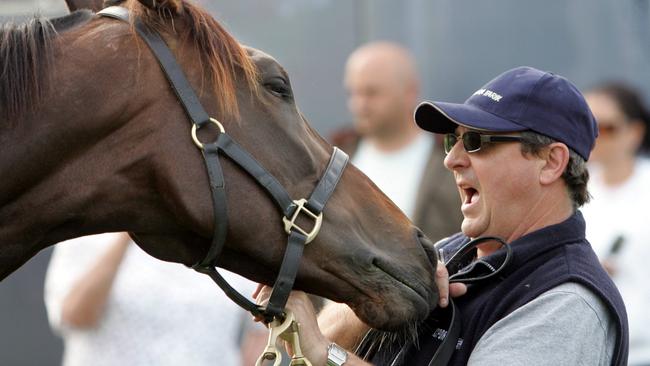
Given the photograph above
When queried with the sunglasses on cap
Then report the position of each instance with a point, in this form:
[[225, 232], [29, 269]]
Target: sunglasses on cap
[[473, 141]]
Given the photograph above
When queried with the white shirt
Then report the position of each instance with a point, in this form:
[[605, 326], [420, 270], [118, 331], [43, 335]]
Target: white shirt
[[623, 211], [397, 173], [158, 313]]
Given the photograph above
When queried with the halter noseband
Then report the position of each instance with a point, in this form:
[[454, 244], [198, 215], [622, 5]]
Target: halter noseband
[[224, 144]]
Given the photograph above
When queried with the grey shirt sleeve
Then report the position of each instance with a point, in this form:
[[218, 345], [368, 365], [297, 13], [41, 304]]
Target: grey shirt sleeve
[[567, 325]]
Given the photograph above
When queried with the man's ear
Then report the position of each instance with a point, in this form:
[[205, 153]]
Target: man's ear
[[174, 6], [555, 160]]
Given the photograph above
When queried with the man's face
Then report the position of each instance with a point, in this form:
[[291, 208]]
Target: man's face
[[376, 98], [497, 186]]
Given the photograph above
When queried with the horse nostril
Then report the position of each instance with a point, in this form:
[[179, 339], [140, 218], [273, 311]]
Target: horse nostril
[[428, 246]]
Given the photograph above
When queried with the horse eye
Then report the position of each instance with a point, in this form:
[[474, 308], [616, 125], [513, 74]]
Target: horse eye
[[278, 87]]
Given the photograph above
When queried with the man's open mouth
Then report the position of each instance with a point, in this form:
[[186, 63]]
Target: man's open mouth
[[471, 195]]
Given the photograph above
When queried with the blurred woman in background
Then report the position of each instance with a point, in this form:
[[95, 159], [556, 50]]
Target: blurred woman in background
[[113, 304], [617, 220]]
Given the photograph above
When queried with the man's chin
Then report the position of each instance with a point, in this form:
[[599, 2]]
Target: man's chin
[[470, 227]]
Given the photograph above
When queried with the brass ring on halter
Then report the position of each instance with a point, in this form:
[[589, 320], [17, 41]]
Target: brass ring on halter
[[198, 143]]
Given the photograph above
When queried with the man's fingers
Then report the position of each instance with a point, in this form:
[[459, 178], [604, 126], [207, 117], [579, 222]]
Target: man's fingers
[[442, 282], [445, 289], [457, 289], [261, 295], [257, 290]]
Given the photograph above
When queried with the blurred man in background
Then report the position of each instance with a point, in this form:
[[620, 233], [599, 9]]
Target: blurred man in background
[[383, 88], [384, 142]]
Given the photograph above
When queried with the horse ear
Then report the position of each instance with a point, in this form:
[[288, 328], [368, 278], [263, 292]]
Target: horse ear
[[94, 5], [175, 6]]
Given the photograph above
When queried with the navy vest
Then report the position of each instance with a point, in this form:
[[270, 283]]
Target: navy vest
[[541, 261]]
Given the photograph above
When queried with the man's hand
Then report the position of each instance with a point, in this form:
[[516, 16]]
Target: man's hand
[[312, 342], [340, 323]]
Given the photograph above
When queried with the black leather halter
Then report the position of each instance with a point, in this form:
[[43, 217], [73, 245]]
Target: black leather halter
[[224, 144]]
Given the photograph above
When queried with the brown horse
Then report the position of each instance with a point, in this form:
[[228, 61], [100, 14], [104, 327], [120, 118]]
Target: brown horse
[[94, 140]]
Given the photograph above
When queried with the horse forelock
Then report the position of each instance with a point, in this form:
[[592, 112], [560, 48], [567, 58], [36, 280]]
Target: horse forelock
[[222, 58]]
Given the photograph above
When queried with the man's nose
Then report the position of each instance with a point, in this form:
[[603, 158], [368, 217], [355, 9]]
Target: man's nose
[[457, 157]]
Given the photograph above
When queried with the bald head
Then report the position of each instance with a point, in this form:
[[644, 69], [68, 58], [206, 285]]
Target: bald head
[[382, 83], [386, 60]]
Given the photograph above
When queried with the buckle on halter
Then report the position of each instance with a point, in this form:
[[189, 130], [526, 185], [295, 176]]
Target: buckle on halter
[[290, 224]]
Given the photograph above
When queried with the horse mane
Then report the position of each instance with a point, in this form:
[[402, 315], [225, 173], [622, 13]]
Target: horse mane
[[25, 59], [221, 56], [25, 56]]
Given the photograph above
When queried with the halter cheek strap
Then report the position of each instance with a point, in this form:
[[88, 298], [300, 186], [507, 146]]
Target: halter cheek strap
[[311, 208], [298, 237]]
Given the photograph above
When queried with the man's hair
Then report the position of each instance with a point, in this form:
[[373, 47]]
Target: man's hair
[[575, 174]]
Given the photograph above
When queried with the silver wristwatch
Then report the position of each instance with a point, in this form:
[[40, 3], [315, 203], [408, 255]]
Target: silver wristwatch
[[336, 355]]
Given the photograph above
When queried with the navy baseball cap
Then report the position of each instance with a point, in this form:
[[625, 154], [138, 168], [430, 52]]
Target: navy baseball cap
[[520, 99]]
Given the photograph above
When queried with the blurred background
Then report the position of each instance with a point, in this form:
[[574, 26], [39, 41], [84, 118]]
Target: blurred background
[[459, 46]]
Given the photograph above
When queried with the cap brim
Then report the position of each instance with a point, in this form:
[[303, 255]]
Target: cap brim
[[441, 117]]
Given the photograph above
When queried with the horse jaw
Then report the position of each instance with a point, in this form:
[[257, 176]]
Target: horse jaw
[[190, 246]]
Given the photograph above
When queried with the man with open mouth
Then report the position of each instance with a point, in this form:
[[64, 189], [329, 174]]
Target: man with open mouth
[[536, 293]]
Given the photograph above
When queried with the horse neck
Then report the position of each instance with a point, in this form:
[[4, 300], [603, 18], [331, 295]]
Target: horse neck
[[50, 191], [54, 173]]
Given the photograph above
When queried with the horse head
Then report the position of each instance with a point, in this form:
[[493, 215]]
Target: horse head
[[107, 147]]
